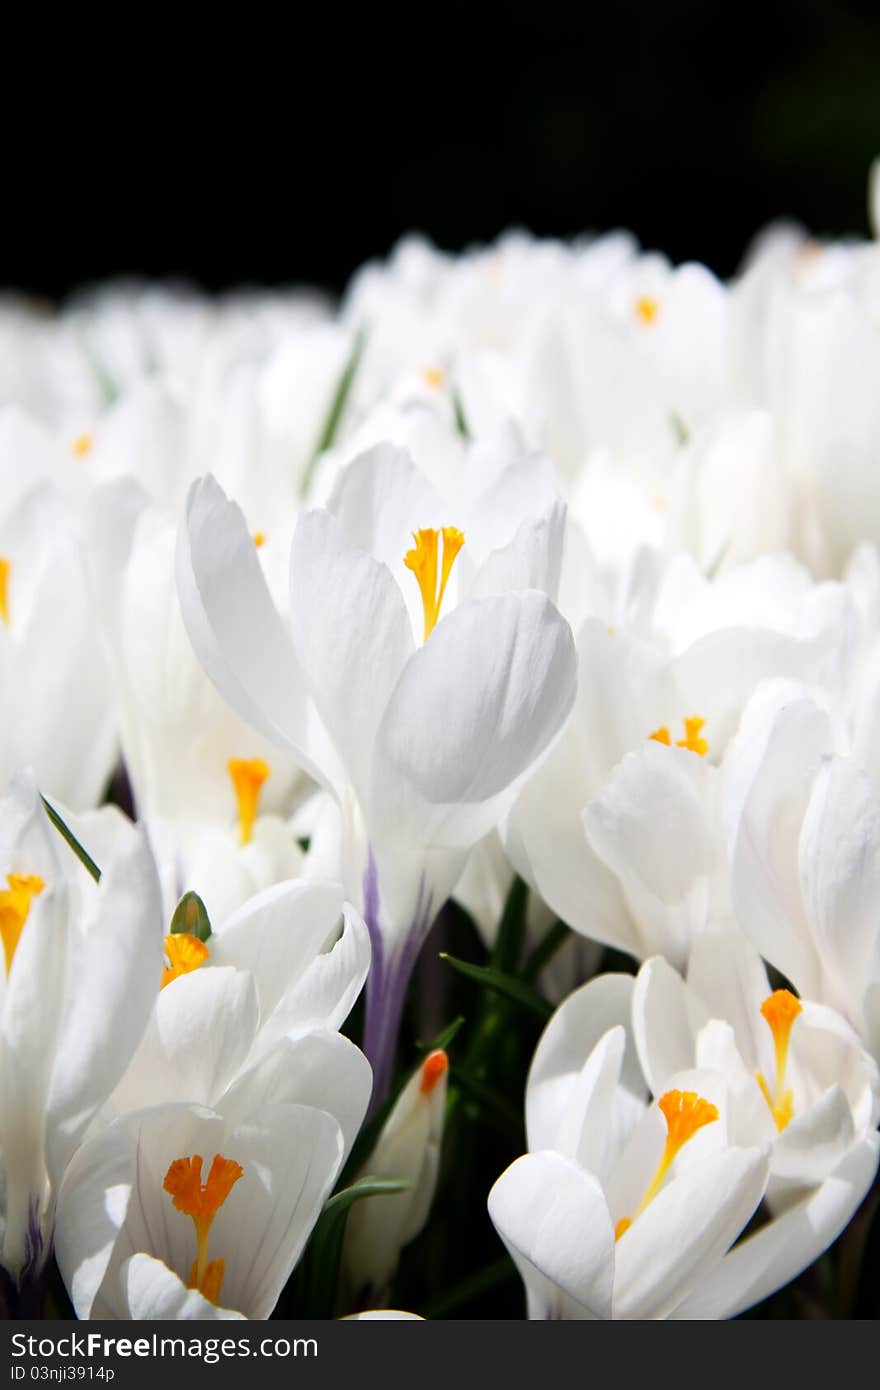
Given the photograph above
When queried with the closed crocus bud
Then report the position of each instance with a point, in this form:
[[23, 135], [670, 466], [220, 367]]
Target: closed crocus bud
[[408, 1147]]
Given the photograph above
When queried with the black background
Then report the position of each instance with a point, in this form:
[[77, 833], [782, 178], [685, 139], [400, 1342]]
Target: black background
[[293, 144]]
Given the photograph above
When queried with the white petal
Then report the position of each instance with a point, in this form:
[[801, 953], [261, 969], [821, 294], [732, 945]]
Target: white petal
[[566, 1044], [197, 1041], [321, 1069], [553, 1219], [92, 1203], [473, 710], [352, 634], [117, 963], [782, 1249], [235, 628], [663, 1024], [840, 879], [684, 1232], [154, 1294]]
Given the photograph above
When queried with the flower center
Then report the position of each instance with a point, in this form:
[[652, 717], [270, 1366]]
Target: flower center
[[780, 1009], [248, 776], [422, 560], [201, 1201], [183, 953], [691, 740], [685, 1112], [5, 567], [259, 539], [433, 377], [647, 308], [82, 445], [15, 904]]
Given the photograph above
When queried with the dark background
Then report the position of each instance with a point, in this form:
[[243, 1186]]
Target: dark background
[[299, 143]]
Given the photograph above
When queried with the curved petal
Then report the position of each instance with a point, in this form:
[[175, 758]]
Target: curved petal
[[277, 934], [684, 1232], [321, 1069], [154, 1294], [197, 1042], [785, 751], [663, 1025], [780, 1250], [553, 1218], [839, 859], [116, 966], [236, 630], [566, 1045], [474, 709], [92, 1203], [352, 635]]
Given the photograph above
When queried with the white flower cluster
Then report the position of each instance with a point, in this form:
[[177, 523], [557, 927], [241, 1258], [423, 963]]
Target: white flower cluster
[[549, 559]]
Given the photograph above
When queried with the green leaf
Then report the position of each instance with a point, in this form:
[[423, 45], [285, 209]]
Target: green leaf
[[365, 1187], [444, 1039], [191, 916], [67, 834], [508, 985], [320, 1266], [545, 950], [511, 930], [337, 408]]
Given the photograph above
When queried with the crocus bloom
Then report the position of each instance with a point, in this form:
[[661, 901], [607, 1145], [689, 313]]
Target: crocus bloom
[[82, 966], [620, 1209], [422, 721], [181, 1211]]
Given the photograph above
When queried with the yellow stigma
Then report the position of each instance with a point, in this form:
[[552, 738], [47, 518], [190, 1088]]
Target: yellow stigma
[[685, 1112], [183, 953], [82, 445], [248, 776], [5, 567], [647, 309], [259, 539], [691, 740], [434, 377], [15, 904], [201, 1202], [780, 1009], [423, 562]]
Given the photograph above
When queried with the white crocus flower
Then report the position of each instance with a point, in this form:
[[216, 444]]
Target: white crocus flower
[[408, 1147], [804, 844], [619, 828], [620, 1209], [422, 721], [181, 1211], [82, 965], [260, 1002], [53, 683], [798, 1079], [211, 791]]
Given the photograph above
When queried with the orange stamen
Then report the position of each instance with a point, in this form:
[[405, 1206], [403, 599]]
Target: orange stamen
[[184, 954], [15, 904], [780, 1009], [685, 1113], [201, 1202], [5, 567], [422, 560], [248, 776]]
